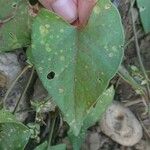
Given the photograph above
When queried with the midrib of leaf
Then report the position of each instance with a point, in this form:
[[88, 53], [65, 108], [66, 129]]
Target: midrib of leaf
[[75, 60], [77, 101]]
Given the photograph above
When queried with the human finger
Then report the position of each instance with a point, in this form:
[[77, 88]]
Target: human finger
[[67, 9], [85, 8]]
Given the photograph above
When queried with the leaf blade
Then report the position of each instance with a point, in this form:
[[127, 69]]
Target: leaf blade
[[15, 26], [81, 61], [13, 134], [144, 9]]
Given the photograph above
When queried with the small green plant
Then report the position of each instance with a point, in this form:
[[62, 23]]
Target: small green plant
[[74, 64]]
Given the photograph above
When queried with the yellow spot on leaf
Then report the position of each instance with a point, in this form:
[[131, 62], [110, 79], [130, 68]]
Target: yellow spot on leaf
[[61, 51], [86, 67], [110, 55], [47, 25], [61, 30], [33, 46], [114, 48], [51, 36], [40, 69], [96, 10], [61, 90], [107, 6], [43, 30], [57, 36], [62, 58], [48, 48], [42, 42]]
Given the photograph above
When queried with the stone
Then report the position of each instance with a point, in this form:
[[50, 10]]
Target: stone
[[121, 125], [94, 141], [10, 68]]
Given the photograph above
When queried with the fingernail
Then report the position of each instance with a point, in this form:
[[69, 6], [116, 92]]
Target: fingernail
[[67, 9]]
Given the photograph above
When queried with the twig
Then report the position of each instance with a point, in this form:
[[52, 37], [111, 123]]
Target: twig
[[14, 82], [132, 39], [138, 52], [146, 131], [6, 20], [130, 102], [25, 90]]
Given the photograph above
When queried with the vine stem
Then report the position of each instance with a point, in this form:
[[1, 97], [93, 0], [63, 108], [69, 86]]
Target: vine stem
[[124, 74], [14, 82], [138, 51], [6, 20], [24, 92]]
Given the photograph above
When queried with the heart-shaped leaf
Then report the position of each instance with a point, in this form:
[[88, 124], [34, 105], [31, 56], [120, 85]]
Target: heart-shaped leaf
[[13, 134], [75, 65], [15, 24], [144, 9]]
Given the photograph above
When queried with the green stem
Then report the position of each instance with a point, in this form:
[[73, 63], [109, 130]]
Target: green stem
[[124, 74], [138, 52]]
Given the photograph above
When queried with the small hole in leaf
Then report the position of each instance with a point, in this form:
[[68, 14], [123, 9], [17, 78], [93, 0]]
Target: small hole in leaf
[[14, 5], [143, 7], [100, 80], [51, 75]]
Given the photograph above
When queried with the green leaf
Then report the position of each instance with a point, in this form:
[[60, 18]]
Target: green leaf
[[13, 134], [144, 9], [6, 117], [58, 147], [43, 146], [76, 65], [96, 112], [93, 116], [15, 24]]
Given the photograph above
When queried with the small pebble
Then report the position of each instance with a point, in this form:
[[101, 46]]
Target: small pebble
[[121, 125]]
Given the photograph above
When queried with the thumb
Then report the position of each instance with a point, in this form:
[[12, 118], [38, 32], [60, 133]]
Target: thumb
[[66, 9], [85, 8]]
